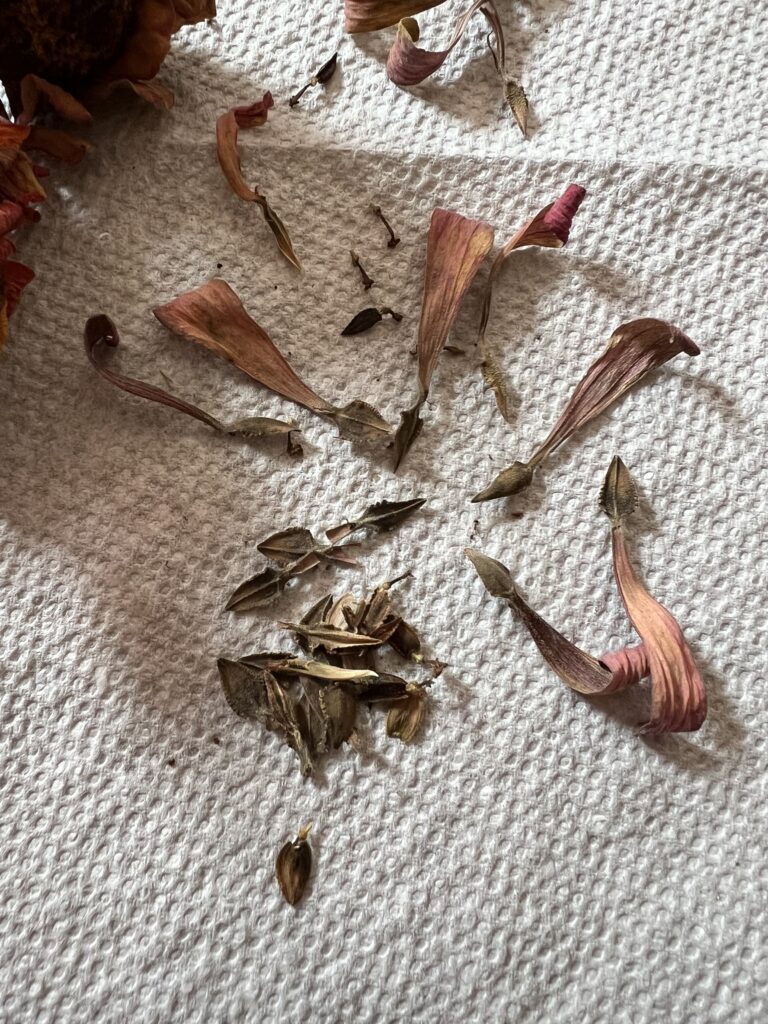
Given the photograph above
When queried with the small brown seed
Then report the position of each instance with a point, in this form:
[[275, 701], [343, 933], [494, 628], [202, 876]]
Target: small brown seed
[[294, 864]]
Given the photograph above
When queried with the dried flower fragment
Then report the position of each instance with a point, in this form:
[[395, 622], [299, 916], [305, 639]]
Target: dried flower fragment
[[405, 719], [330, 638], [368, 281], [549, 229], [678, 699], [101, 330], [214, 316], [633, 350], [227, 129], [281, 547], [456, 247], [393, 239], [294, 866], [371, 15], [368, 318], [320, 77]]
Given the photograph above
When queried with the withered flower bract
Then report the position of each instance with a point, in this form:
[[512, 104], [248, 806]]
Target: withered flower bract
[[294, 866], [296, 551], [549, 229], [101, 330], [633, 350], [678, 700], [214, 316], [227, 129], [456, 247]]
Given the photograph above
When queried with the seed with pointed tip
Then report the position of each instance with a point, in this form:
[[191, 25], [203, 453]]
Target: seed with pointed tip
[[293, 867], [509, 481]]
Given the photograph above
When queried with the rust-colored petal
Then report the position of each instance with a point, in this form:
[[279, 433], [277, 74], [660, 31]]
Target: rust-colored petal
[[14, 277], [456, 247], [33, 88], [227, 128], [549, 229], [633, 350], [147, 46], [56, 143], [408, 64], [214, 316], [370, 15], [11, 215]]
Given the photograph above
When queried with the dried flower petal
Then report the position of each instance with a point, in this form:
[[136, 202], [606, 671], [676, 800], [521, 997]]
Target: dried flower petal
[[575, 667], [633, 350], [33, 88], [214, 316], [407, 64], [549, 229], [456, 246], [330, 638], [370, 15], [100, 329], [227, 129], [406, 718], [294, 866], [58, 144], [678, 700]]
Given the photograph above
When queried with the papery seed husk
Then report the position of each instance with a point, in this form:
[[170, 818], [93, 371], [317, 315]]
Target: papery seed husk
[[618, 495], [405, 719], [287, 546], [294, 866]]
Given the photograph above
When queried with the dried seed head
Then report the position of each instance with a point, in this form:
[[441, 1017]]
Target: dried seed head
[[293, 867], [618, 496]]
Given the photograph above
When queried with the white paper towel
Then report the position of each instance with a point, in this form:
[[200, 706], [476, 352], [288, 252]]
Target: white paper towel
[[531, 859]]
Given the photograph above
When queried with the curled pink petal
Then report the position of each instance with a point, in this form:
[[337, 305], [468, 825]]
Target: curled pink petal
[[628, 665], [559, 216], [408, 64]]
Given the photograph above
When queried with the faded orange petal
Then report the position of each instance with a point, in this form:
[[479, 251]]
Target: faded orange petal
[[370, 15], [56, 143], [227, 128], [33, 88], [678, 700]]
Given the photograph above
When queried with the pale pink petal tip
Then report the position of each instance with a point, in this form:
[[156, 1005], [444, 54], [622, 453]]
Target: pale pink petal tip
[[560, 216]]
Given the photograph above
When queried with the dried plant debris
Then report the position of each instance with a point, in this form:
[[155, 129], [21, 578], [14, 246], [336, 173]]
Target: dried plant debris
[[213, 315], [633, 350], [366, 279], [678, 700], [371, 15], [294, 866], [549, 229], [227, 129], [100, 331], [456, 247], [368, 318], [312, 702], [393, 239], [320, 77], [296, 551]]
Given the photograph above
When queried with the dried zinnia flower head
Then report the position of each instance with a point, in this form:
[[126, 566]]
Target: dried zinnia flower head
[[678, 700], [88, 47]]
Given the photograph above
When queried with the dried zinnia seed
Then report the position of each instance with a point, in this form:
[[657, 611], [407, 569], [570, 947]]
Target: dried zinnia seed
[[294, 866]]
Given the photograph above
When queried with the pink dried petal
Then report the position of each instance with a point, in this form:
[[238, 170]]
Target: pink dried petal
[[407, 64], [628, 665], [370, 15]]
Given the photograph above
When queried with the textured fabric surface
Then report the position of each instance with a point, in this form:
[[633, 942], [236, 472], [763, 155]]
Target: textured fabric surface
[[530, 859]]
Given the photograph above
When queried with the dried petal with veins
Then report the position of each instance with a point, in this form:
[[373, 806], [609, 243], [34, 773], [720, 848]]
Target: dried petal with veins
[[678, 700], [633, 350], [456, 247], [549, 229], [294, 866], [214, 316], [101, 330], [227, 128], [371, 15], [407, 64]]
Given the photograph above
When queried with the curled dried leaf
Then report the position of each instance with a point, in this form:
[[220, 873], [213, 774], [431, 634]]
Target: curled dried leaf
[[228, 127], [100, 330], [294, 866], [633, 350], [456, 247]]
